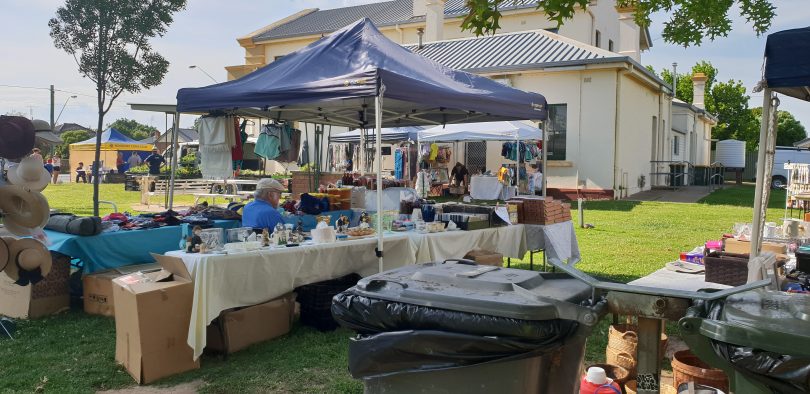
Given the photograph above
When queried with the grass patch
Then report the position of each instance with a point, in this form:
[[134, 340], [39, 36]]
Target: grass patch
[[77, 198], [75, 352]]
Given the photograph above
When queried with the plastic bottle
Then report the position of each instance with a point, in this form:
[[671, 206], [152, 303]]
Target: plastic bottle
[[596, 381]]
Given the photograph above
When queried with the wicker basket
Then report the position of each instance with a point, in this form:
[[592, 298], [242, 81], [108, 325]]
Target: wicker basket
[[686, 367], [622, 359], [624, 338], [726, 268]]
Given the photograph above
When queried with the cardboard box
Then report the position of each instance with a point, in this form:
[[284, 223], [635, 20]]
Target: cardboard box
[[152, 319], [50, 295], [485, 257], [98, 288], [736, 246], [238, 328]]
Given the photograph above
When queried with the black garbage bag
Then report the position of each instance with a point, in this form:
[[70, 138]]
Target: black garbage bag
[[396, 352], [782, 373], [396, 337], [372, 315]]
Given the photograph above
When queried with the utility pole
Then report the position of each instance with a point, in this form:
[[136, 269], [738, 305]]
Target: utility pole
[[52, 107]]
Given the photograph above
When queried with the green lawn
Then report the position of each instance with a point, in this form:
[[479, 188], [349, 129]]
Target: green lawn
[[78, 198], [75, 352]]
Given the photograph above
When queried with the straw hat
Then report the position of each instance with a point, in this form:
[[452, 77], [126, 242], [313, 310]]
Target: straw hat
[[23, 211], [30, 173], [16, 136], [30, 261]]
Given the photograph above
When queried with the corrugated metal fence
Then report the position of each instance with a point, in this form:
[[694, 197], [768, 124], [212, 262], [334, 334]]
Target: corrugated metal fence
[[750, 171]]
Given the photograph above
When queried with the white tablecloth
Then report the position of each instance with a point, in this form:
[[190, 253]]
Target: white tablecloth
[[557, 240], [485, 187], [228, 281], [234, 280]]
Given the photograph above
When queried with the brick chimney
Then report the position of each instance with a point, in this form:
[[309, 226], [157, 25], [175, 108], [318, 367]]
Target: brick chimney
[[699, 90], [433, 10]]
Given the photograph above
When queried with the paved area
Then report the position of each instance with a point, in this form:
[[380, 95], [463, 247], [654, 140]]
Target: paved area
[[688, 194]]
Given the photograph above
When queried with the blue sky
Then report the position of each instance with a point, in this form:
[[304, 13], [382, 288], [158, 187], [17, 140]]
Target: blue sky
[[205, 35]]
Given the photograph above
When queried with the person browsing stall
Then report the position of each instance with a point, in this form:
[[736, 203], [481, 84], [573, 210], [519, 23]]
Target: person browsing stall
[[154, 161], [262, 212]]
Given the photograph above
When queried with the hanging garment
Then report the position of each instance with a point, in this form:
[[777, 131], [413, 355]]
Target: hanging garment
[[398, 165], [291, 153], [217, 137], [267, 145], [285, 138], [424, 152], [434, 151], [303, 156], [423, 181]]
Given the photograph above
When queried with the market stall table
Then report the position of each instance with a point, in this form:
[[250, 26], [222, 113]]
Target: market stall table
[[126, 247], [668, 279], [234, 280], [484, 187]]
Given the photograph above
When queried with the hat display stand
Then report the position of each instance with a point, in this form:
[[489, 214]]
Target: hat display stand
[[23, 209]]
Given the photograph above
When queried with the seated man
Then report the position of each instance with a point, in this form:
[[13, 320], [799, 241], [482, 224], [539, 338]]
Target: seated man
[[262, 212]]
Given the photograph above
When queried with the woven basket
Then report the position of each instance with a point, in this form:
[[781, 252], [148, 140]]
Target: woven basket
[[686, 367], [726, 268], [624, 338], [622, 359]]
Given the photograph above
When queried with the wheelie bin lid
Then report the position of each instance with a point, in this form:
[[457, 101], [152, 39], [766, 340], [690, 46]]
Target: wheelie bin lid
[[489, 290], [778, 311]]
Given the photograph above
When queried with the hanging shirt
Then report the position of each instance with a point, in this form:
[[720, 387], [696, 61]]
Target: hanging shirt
[[434, 151], [268, 143], [260, 214], [398, 166]]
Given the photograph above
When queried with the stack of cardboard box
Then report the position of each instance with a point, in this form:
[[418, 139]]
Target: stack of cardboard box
[[539, 210]]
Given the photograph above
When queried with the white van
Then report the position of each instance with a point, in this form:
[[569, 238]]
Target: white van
[[783, 155]]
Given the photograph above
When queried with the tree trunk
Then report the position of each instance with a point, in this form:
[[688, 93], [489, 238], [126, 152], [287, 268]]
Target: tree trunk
[[96, 163]]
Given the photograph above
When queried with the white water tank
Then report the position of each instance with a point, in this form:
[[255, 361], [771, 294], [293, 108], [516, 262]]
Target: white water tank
[[730, 153]]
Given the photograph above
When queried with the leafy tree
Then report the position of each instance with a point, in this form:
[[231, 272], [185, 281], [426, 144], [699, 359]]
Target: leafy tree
[[788, 129], [690, 22], [71, 137], [133, 129], [110, 42], [735, 120]]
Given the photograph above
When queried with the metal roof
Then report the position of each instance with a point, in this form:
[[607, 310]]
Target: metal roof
[[382, 14], [521, 50]]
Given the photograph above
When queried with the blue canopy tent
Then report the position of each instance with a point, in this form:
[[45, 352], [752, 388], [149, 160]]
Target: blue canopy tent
[[787, 71], [357, 77]]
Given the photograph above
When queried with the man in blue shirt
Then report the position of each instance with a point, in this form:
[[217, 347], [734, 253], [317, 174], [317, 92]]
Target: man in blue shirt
[[154, 161], [263, 212]]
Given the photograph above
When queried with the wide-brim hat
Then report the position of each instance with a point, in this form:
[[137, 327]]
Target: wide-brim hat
[[24, 211], [29, 260], [17, 137], [30, 173]]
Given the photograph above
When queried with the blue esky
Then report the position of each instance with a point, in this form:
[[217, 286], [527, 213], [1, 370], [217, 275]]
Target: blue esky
[[205, 35]]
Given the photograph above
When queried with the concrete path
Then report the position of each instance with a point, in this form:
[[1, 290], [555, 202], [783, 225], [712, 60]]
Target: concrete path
[[688, 194]]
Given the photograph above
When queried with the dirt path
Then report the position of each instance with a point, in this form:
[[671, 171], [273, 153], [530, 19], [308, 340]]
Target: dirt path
[[185, 388]]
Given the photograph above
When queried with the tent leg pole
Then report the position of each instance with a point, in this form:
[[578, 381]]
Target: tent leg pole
[[378, 127], [175, 130], [544, 169], [761, 164]]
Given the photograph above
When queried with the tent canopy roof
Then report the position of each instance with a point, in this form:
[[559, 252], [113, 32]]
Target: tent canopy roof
[[389, 134], [483, 131], [112, 139], [335, 80], [787, 62]]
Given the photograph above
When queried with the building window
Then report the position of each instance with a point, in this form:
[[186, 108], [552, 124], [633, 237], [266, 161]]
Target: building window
[[598, 39], [676, 143], [610, 45], [556, 130]]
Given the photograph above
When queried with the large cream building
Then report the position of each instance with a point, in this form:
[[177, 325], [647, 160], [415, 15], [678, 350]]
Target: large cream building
[[612, 123]]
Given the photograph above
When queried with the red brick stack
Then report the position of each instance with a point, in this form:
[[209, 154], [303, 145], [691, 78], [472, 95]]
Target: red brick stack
[[539, 210], [302, 181]]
